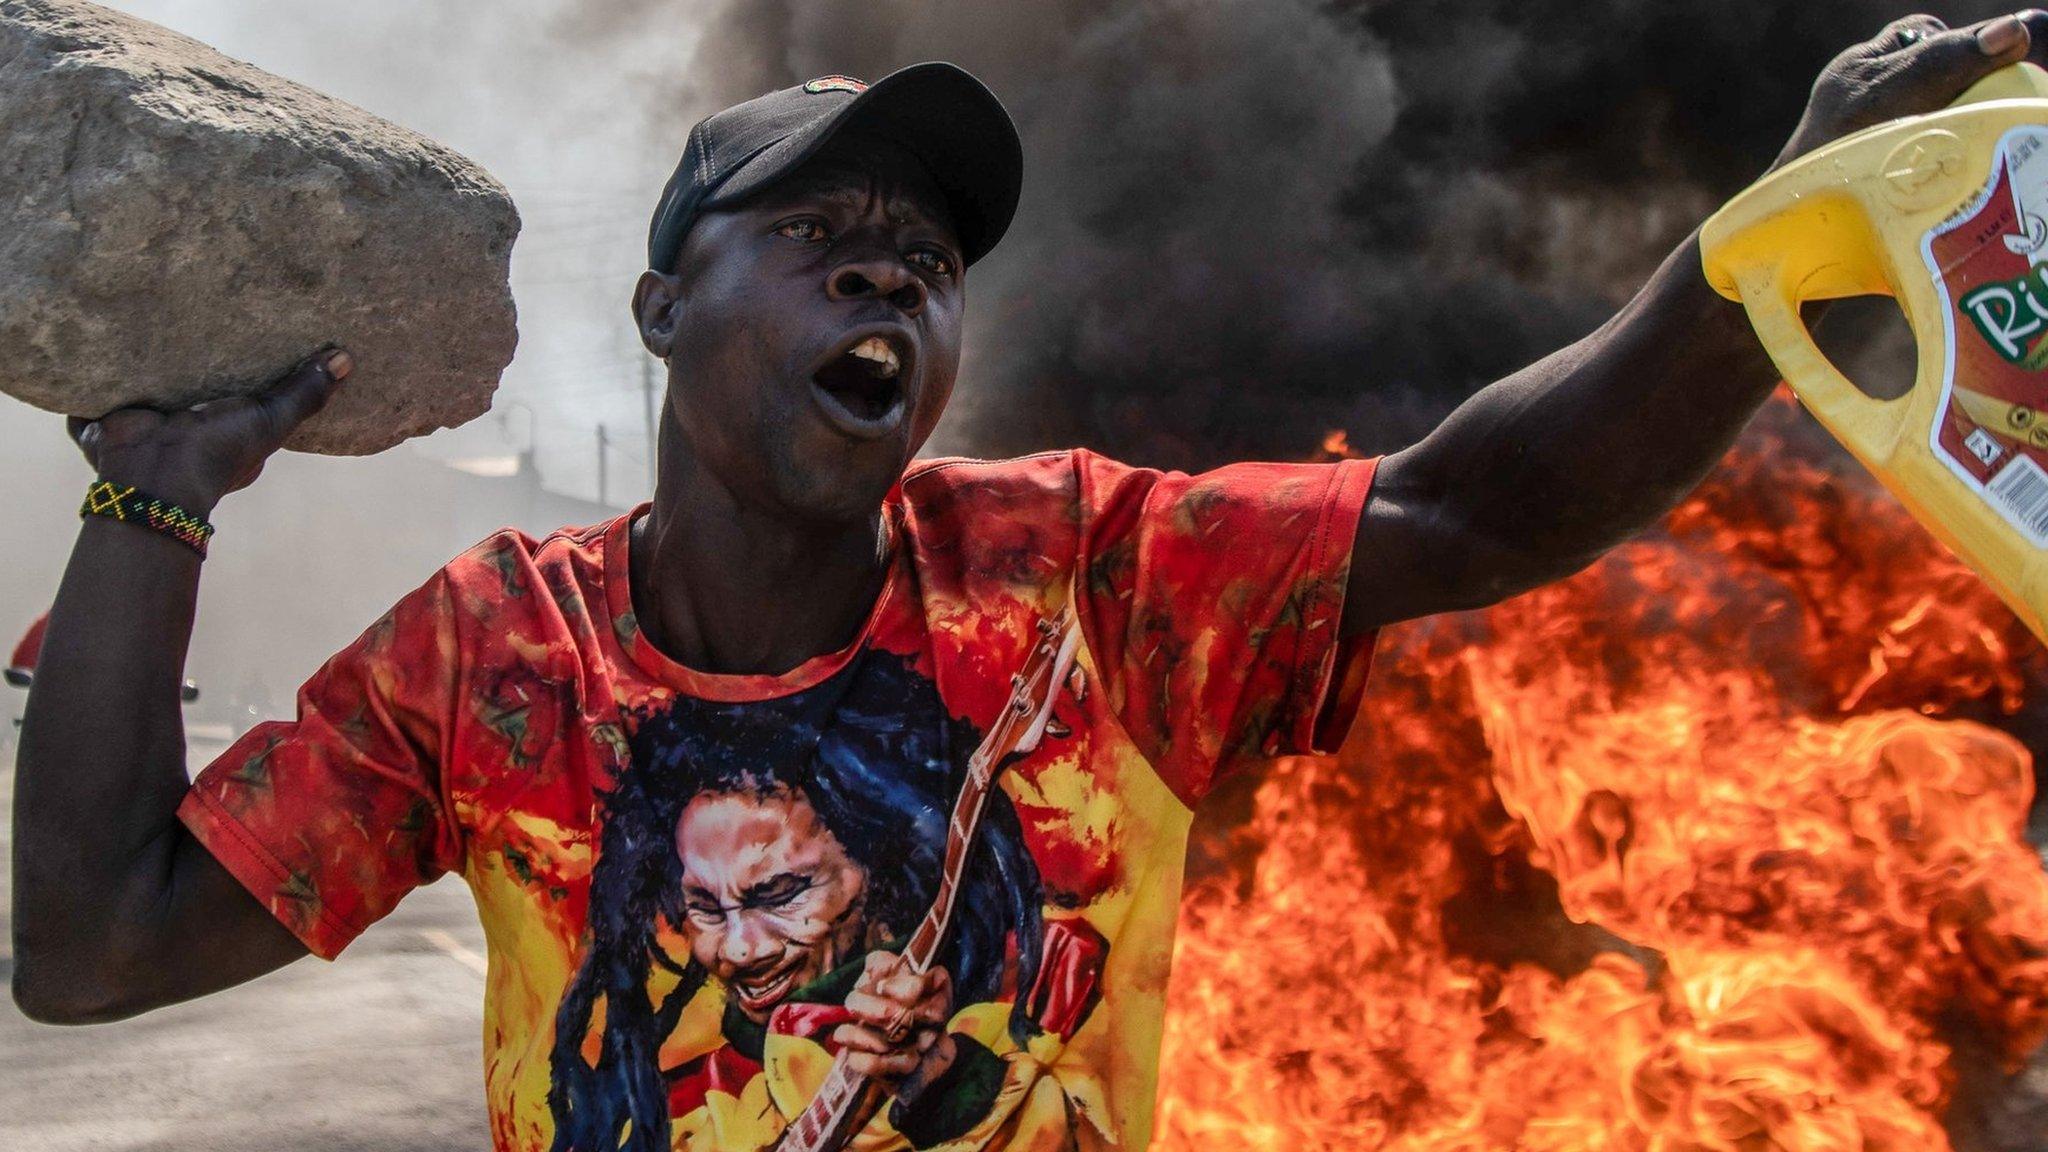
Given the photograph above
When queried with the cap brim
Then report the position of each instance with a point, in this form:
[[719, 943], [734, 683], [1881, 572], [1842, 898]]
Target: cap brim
[[941, 114]]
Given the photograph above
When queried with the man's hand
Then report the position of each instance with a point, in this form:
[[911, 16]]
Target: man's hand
[[1536, 475], [1915, 66], [194, 457], [898, 1035]]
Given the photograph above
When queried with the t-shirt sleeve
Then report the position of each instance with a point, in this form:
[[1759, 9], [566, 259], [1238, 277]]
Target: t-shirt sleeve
[[1211, 604], [332, 817]]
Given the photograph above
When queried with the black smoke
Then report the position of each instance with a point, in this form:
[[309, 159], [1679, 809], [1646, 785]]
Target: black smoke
[[1247, 222]]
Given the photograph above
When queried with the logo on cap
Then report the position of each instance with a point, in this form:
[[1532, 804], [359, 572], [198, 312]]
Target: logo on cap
[[835, 84]]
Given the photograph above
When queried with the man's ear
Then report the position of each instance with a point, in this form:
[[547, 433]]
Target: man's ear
[[657, 309]]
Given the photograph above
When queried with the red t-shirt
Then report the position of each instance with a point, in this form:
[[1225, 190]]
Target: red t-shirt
[[679, 872]]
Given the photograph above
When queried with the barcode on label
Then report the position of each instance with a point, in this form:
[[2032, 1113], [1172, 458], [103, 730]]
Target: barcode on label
[[2021, 491]]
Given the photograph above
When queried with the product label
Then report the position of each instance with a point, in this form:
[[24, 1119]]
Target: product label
[[1988, 261]]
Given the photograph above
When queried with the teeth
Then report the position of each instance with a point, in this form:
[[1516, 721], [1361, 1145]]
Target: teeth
[[876, 350]]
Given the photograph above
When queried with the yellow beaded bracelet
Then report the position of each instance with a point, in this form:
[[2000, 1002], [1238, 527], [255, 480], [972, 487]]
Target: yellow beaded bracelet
[[123, 502]]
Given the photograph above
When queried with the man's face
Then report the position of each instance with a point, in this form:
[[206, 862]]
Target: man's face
[[773, 900], [815, 331]]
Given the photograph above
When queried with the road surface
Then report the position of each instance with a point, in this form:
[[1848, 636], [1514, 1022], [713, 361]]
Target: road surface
[[380, 1050]]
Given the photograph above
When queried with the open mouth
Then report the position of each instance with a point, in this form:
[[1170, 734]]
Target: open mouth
[[765, 990], [865, 383]]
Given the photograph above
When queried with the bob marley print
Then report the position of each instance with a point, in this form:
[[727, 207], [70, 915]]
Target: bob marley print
[[779, 843]]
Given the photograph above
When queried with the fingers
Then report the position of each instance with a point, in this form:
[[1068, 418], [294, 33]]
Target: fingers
[[86, 434], [884, 970], [305, 390], [894, 999], [872, 1052], [1902, 33], [302, 392], [898, 1014], [2005, 40], [1916, 65], [121, 427], [2036, 23], [1930, 66], [888, 1064], [861, 1038], [902, 1003]]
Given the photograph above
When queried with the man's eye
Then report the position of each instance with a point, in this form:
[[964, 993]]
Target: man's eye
[[936, 263], [804, 230], [775, 896]]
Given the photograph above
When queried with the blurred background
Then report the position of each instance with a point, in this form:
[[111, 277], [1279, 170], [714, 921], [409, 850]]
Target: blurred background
[[1717, 846]]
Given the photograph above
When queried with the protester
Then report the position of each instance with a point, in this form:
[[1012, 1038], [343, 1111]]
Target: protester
[[697, 763]]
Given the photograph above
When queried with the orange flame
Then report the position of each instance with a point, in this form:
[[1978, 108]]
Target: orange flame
[[1337, 445], [1701, 849]]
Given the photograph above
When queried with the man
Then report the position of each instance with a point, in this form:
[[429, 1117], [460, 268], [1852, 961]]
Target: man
[[535, 714]]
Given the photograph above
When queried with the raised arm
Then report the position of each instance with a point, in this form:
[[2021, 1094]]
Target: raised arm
[[1536, 475], [117, 909]]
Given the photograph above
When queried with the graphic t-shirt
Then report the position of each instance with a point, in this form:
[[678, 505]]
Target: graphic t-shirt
[[681, 875]]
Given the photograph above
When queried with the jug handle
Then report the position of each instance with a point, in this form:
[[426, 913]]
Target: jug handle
[[1813, 242], [1806, 234], [1868, 426]]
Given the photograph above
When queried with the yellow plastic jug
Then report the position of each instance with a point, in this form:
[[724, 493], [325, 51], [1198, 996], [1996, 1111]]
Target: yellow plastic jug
[[1948, 213]]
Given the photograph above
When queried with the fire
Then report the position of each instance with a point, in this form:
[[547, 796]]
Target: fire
[[1712, 847]]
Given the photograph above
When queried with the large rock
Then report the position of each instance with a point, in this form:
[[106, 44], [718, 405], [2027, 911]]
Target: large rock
[[177, 226]]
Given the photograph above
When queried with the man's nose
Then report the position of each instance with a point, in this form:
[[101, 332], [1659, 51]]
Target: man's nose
[[881, 276], [746, 941]]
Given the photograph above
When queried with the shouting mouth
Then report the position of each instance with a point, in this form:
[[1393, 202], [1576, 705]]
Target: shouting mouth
[[861, 389]]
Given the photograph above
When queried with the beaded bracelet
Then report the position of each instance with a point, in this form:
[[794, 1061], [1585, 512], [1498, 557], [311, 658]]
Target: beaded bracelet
[[123, 502]]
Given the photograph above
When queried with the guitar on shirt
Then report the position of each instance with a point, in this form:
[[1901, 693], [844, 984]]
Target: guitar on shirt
[[848, 1100]]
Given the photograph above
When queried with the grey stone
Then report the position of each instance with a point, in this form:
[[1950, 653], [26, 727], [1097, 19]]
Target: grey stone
[[178, 226]]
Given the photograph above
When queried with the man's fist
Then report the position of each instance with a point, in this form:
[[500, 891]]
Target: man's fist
[[194, 457], [898, 1034], [1916, 65]]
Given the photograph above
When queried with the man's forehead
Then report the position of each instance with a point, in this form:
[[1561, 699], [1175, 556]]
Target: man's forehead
[[736, 832], [853, 172], [746, 857]]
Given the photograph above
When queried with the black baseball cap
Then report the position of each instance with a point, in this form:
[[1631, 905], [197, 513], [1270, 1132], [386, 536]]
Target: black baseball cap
[[939, 112]]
